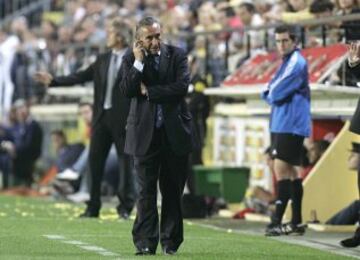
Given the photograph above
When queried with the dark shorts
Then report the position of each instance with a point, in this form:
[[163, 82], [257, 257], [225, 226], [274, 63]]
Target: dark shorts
[[287, 147]]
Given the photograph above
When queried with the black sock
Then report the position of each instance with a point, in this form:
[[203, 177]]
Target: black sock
[[296, 198], [281, 202]]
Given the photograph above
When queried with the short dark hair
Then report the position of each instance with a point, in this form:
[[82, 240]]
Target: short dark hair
[[249, 7], [146, 21], [286, 29], [321, 6]]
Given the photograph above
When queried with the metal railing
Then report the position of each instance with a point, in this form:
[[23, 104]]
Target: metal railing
[[302, 25]]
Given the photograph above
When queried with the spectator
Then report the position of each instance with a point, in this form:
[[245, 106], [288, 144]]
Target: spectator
[[321, 9], [258, 199], [26, 147], [249, 17], [297, 10], [66, 154], [80, 168], [6, 135], [351, 28], [8, 46], [315, 150]]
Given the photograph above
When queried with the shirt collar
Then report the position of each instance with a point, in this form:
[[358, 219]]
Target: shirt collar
[[118, 53], [290, 53]]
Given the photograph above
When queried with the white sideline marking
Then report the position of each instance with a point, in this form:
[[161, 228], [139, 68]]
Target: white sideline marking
[[82, 245], [93, 248], [54, 237], [74, 242], [108, 253]]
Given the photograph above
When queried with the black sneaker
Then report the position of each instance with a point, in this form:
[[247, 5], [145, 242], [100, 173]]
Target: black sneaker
[[294, 229], [273, 230]]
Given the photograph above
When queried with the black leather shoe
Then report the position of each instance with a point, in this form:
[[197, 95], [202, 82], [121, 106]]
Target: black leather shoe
[[353, 241], [123, 212], [90, 214], [350, 242], [145, 251]]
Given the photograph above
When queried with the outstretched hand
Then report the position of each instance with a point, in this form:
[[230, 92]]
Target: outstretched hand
[[43, 77]]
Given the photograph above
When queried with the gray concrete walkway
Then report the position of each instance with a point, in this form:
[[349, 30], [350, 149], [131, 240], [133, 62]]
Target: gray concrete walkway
[[327, 241]]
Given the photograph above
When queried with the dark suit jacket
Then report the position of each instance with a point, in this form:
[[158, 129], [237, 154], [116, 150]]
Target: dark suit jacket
[[167, 88], [28, 143], [97, 72], [355, 121]]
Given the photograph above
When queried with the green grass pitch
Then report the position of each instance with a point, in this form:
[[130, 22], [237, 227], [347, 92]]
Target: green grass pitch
[[43, 229]]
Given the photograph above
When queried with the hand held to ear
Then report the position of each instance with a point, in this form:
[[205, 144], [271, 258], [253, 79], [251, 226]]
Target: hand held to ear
[[138, 50]]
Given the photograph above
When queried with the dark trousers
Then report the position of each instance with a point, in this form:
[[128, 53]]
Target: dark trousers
[[159, 164], [5, 167], [347, 216], [104, 134], [23, 172]]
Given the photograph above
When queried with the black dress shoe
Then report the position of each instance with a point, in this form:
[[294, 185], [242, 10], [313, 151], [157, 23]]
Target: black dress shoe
[[353, 241], [145, 251], [169, 251], [90, 214], [123, 213]]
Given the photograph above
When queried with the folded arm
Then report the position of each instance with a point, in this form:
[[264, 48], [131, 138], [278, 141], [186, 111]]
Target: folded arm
[[130, 84], [173, 91], [286, 84]]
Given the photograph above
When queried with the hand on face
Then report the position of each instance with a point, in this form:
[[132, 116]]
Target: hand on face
[[150, 37], [138, 50]]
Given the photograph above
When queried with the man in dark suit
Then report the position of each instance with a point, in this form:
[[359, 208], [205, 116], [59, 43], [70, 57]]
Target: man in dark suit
[[354, 65], [158, 134], [109, 118]]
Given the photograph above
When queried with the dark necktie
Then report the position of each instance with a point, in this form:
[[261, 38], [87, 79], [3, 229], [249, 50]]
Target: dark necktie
[[155, 61]]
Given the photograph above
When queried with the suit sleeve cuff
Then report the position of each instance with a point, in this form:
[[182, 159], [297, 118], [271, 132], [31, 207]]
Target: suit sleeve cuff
[[139, 65]]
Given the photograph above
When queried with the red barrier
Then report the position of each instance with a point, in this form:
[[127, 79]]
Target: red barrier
[[260, 69]]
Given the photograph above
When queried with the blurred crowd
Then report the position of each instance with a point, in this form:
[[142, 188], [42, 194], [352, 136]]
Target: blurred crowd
[[70, 34], [56, 41]]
